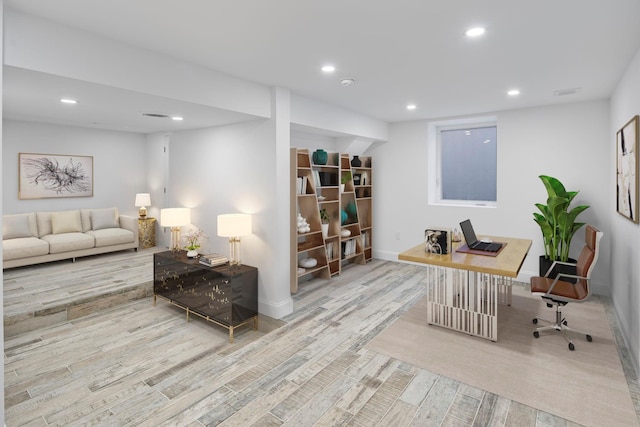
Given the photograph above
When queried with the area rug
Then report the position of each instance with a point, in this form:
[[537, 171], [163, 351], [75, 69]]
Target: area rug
[[586, 386]]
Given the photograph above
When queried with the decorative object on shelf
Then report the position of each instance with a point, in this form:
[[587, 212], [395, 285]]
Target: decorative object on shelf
[[627, 160], [234, 226], [301, 270], [192, 241], [308, 262], [320, 157], [352, 211], [356, 162], [175, 218], [142, 201], [343, 217], [356, 178], [302, 225], [321, 198], [345, 233]]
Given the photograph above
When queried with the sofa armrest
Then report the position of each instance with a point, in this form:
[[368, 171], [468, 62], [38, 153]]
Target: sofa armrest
[[130, 223]]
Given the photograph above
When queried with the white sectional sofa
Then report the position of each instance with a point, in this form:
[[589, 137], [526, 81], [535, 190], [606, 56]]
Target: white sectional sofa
[[36, 237]]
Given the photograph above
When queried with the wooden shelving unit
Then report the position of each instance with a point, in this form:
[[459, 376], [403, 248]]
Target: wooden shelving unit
[[362, 178], [322, 191]]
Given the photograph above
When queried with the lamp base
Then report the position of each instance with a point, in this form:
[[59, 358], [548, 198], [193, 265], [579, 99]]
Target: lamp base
[[234, 251], [142, 212], [175, 239]]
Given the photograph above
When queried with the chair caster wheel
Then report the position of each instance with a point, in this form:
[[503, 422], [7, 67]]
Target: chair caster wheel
[[571, 346], [536, 334], [535, 321], [589, 338]]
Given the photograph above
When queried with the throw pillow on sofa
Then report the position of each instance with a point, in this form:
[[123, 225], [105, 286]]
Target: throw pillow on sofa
[[104, 218], [15, 226], [66, 222]]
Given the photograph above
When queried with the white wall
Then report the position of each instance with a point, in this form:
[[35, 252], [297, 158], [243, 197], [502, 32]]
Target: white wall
[[625, 268], [119, 165], [531, 142], [231, 169]]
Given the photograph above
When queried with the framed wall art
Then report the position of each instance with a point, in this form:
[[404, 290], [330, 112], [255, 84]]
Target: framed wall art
[[42, 176], [627, 170]]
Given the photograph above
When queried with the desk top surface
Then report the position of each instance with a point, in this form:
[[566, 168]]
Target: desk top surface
[[506, 263]]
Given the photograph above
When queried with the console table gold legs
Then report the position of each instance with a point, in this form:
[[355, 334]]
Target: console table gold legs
[[253, 319]]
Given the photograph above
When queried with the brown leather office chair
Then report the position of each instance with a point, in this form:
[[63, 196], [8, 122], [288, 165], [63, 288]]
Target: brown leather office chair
[[559, 292]]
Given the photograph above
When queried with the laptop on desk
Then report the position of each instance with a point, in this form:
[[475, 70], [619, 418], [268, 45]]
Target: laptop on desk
[[473, 242]]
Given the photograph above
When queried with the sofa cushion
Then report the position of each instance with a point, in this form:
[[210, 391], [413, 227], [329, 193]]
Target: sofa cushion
[[66, 222], [112, 236], [66, 242], [43, 219], [104, 218], [85, 217], [19, 225], [24, 247]]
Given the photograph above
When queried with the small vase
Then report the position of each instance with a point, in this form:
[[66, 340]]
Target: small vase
[[192, 253], [319, 157], [356, 162]]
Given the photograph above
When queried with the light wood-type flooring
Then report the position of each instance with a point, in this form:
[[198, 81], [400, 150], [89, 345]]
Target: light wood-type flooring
[[132, 363]]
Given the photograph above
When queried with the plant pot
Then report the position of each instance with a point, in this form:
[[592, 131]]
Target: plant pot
[[342, 188], [325, 230], [192, 253], [545, 263]]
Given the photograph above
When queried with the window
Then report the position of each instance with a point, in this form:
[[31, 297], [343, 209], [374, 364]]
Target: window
[[463, 162]]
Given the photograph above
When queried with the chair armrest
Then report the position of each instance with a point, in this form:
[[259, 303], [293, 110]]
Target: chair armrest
[[557, 263], [559, 276]]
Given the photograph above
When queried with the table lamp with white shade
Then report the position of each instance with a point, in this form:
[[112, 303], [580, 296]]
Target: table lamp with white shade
[[142, 201], [234, 226], [175, 218]]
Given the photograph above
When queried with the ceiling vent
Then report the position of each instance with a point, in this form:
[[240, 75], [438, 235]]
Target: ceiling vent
[[565, 92], [156, 115], [348, 81]]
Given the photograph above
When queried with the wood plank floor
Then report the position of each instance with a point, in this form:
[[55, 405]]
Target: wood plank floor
[[140, 364]]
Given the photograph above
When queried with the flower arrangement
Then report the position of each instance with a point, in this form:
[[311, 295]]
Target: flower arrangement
[[192, 239]]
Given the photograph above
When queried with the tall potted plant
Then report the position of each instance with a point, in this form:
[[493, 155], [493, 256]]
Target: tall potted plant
[[557, 222]]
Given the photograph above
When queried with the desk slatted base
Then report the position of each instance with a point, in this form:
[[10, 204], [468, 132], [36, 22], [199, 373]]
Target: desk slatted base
[[466, 301]]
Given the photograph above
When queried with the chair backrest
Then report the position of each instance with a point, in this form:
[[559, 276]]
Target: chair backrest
[[588, 257]]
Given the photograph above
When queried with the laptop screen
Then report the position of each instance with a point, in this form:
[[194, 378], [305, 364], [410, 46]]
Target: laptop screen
[[469, 234]]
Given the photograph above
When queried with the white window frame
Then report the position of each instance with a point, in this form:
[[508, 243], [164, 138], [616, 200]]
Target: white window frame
[[434, 176]]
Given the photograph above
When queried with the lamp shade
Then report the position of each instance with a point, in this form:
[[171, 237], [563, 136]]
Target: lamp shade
[[234, 225], [175, 217], [143, 199]]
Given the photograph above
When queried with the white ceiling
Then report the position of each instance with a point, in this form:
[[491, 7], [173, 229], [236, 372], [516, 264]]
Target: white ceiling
[[399, 52]]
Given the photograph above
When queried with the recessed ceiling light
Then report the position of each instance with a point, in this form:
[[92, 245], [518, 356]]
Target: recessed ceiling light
[[411, 107], [328, 69], [177, 118], [475, 32], [68, 101], [513, 92]]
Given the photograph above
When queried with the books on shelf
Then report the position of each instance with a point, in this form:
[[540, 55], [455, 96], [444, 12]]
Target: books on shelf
[[213, 260], [316, 178], [349, 248], [301, 185], [437, 240]]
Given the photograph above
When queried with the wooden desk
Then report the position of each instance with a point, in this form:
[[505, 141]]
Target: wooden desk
[[465, 289]]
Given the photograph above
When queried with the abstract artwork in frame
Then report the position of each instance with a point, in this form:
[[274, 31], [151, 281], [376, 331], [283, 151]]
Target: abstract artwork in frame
[[44, 176], [627, 170]]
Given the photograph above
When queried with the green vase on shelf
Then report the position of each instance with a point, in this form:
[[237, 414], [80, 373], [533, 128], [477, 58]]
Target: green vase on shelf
[[319, 157]]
